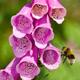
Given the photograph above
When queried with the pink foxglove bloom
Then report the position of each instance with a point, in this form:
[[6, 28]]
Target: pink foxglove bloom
[[22, 22], [27, 67], [57, 12], [20, 45], [39, 8], [6, 75], [43, 32], [50, 57], [9, 73]]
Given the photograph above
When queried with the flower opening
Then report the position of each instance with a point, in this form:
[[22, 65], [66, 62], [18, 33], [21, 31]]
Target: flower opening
[[5, 75], [20, 45], [28, 67], [39, 8], [42, 35], [57, 12], [22, 23], [50, 57]]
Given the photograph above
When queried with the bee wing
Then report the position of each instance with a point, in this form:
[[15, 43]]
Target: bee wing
[[71, 45], [77, 55]]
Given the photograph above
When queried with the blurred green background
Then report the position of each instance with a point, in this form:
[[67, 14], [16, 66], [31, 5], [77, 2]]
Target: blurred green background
[[68, 31]]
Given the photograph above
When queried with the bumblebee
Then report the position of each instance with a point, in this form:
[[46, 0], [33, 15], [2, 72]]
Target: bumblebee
[[67, 54]]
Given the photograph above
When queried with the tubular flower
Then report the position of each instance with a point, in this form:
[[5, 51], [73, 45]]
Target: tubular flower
[[43, 32], [50, 57], [22, 22], [39, 8], [7, 73], [20, 45], [27, 67], [4, 75], [57, 12], [30, 40]]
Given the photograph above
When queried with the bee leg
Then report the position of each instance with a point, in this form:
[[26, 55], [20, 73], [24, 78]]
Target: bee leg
[[64, 59], [62, 55]]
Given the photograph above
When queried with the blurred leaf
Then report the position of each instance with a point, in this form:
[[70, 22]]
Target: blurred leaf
[[58, 42], [72, 32], [6, 54], [64, 72]]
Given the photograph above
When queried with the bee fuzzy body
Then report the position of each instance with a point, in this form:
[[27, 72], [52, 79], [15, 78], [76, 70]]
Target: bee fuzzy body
[[67, 54]]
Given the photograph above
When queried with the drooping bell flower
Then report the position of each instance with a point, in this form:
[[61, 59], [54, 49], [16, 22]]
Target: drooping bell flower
[[20, 45], [39, 8], [22, 22], [43, 32], [50, 57], [57, 11], [27, 67], [6, 75], [9, 73]]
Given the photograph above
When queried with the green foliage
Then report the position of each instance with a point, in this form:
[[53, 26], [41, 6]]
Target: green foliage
[[64, 72], [72, 31]]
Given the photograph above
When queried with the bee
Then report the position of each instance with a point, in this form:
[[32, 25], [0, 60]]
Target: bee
[[67, 53]]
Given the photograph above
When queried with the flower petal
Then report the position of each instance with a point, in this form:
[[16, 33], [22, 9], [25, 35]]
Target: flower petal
[[43, 32], [22, 22], [28, 67], [20, 45], [50, 57], [39, 8], [57, 12]]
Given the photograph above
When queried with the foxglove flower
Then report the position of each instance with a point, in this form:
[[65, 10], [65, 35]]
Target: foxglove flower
[[27, 67], [22, 22], [39, 8], [9, 73], [50, 57], [20, 45], [43, 32], [5, 75], [57, 12]]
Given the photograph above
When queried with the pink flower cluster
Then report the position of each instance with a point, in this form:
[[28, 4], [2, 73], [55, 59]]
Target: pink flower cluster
[[31, 38]]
